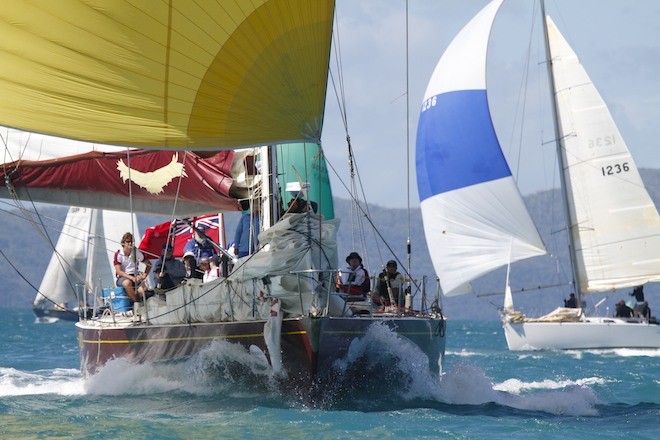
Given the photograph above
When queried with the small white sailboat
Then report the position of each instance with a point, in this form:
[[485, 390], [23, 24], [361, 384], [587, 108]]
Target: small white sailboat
[[82, 262], [474, 215]]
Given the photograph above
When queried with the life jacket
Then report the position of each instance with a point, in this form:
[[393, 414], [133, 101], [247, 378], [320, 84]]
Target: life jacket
[[366, 284]]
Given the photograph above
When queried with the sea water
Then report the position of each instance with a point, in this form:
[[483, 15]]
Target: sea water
[[379, 391]]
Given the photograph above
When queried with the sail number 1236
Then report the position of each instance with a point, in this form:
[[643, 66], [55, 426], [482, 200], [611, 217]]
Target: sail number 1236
[[429, 103], [617, 168]]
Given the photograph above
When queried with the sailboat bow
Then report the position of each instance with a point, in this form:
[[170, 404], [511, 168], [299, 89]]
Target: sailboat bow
[[185, 101]]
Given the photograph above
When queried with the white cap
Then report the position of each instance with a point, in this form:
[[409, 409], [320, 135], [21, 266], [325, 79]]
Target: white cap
[[296, 186]]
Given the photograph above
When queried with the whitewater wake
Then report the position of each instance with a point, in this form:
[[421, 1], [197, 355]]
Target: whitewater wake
[[64, 382], [379, 367]]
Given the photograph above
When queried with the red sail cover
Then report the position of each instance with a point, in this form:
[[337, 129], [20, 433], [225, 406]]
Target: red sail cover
[[110, 180], [154, 237]]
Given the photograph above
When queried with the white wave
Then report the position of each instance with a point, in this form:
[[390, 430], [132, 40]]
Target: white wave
[[463, 353], [536, 355], [384, 356], [65, 382], [119, 377], [220, 366], [465, 384], [46, 320], [517, 386], [623, 352], [468, 385]]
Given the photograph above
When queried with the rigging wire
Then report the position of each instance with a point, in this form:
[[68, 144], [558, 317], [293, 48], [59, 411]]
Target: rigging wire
[[39, 225], [30, 284], [356, 190], [367, 216]]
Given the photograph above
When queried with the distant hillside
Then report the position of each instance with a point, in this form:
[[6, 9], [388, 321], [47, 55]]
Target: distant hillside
[[29, 252]]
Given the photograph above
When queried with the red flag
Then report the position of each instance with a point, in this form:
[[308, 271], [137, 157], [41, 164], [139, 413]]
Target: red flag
[[154, 237], [153, 240]]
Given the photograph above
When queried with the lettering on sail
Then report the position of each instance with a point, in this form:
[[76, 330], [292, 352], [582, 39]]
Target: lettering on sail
[[153, 181]]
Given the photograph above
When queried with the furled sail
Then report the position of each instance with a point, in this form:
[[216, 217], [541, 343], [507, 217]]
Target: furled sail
[[474, 217], [614, 223], [166, 74]]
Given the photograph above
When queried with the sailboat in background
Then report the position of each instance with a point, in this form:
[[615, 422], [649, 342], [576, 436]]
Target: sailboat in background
[[82, 263], [204, 120], [474, 215]]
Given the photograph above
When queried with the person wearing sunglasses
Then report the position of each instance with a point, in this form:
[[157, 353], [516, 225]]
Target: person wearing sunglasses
[[127, 262]]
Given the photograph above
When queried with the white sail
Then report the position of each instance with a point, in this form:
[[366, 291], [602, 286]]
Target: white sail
[[474, 217], [57, 285], [83, 254], [614, 223]]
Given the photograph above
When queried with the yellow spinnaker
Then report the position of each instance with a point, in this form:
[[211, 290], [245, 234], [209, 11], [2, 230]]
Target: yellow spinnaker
[[166, 73]]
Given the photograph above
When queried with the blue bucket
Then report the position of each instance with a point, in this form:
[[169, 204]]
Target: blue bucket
[[117, 298]]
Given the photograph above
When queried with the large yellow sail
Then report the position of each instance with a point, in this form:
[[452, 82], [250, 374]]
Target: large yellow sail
[[166, 73]]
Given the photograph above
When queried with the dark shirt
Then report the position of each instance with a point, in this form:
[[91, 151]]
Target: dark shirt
[[299, 205], [173, 273], [194, 272], [200, 249], [571, 302], [623, 311], [395, 279], [638, 293]]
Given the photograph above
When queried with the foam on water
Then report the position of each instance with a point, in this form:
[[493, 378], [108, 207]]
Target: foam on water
[[221, 367], [463, 353], [464, 384], [65, 382], [223, 364], [381, 368], [381, 359], [516, 386], [119, 377], [622, 352]]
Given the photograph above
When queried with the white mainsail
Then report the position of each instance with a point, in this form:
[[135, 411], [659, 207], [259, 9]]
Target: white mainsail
[[614, 223], [474, 217], [83, 254]]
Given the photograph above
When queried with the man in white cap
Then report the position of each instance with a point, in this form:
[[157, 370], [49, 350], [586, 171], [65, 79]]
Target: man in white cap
[[298, 204]]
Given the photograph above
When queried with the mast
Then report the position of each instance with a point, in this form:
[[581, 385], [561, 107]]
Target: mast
[[560, 157], [408, 247], [92, 242], [269, 198]]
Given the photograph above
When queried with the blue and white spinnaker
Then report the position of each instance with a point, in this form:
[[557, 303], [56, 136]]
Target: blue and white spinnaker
[[474, 217]]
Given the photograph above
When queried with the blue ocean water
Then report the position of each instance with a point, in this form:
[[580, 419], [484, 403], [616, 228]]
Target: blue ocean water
[[485, 392]]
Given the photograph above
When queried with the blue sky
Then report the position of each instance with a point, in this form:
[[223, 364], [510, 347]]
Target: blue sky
[[617, 41]]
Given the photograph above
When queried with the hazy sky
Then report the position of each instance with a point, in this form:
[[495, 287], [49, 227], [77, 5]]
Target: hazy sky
[[618, 42]]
